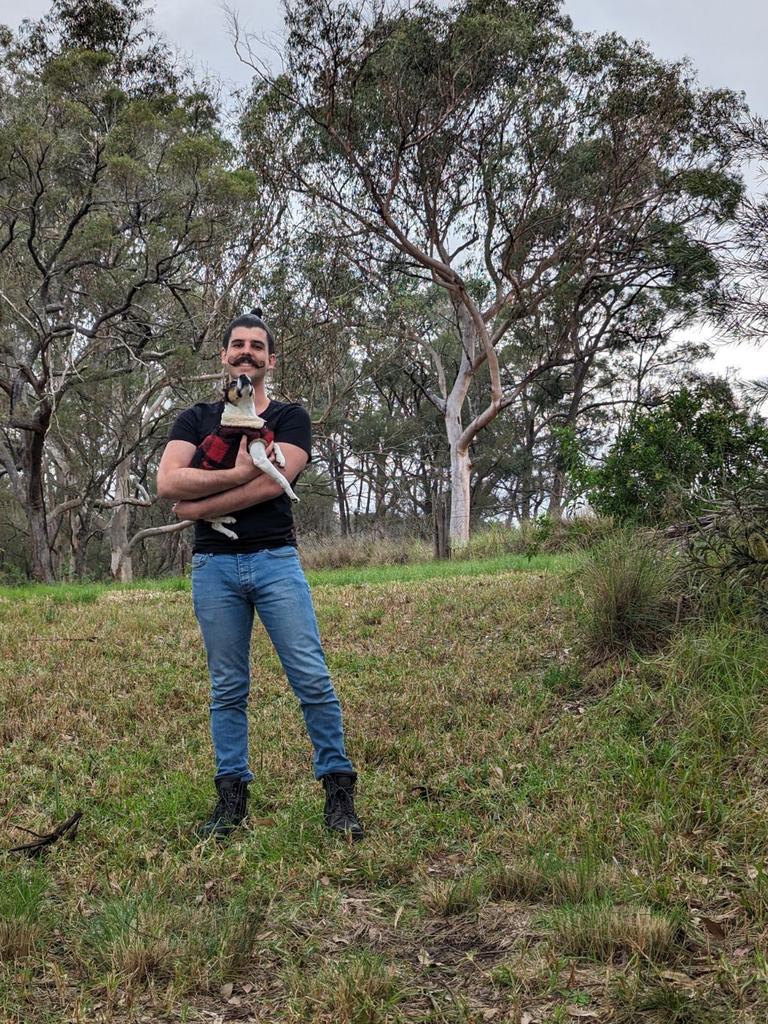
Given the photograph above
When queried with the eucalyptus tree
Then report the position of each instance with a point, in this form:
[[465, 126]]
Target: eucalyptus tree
[[122, 229], [503, 157], [742, 304]]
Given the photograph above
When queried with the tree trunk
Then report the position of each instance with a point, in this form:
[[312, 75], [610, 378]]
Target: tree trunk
[[559, 478], [336, 466], [34, 443], [79, 526], [441, 520], [121, 562], [461, 468], [526, 476], [556, 494]]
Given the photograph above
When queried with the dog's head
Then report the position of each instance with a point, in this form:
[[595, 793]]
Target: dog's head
[[235, 389]]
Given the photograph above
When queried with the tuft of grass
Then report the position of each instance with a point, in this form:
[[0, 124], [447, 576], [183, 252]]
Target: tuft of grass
[[551, 880], [358, 989], [631, 586], [23, 928], [234, 935], [455, 896], [130, 940], [603, 931], [656, 1001]]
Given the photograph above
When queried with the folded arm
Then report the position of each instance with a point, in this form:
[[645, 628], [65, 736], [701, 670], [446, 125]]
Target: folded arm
[[260, 489], [176, 479]]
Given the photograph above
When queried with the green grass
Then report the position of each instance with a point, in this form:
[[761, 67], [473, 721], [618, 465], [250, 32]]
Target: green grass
[[87, 593], [542, 835]]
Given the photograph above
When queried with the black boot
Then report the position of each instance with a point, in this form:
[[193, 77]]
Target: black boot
[[339, 810], [230, 808]]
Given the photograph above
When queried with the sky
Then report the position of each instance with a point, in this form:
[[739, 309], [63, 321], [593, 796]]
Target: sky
[[726, 42]]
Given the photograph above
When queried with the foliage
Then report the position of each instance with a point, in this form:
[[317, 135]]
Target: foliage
[[490, 227], [728, 545], [545, 181], [740, 304], [696, 440], [120, 239]]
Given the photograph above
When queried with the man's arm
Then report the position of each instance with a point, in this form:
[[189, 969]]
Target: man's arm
[[263, 488], [176, 479]]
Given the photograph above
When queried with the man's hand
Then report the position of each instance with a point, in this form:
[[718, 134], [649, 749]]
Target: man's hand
[[244, 466], [187, 509]]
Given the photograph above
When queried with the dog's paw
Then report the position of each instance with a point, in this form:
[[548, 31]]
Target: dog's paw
[[218, 525]]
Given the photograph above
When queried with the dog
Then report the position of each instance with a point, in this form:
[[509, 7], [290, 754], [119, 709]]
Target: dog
[[219, 450]]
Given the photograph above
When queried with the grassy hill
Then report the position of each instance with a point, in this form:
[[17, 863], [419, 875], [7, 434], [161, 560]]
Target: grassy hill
[[549, 838]]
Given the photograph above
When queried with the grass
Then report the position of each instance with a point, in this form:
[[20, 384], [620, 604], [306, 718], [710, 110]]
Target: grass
[[88, 593], [543, 835]]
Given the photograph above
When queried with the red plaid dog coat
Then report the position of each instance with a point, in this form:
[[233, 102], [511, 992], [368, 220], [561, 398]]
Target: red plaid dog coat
[[219, 450]]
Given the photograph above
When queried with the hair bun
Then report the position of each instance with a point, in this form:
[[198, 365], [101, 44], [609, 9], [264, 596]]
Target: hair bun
[[257, 312]]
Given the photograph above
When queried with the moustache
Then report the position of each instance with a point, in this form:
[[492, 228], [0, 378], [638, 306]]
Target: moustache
[[247, 361]]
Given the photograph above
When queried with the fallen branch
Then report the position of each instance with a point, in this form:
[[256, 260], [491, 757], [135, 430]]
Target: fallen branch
[[67, 829]]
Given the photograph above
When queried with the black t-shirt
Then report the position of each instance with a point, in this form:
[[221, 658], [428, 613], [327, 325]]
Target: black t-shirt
[[269, 524]]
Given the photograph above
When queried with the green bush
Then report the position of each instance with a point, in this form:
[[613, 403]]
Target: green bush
[[728, 551], [697, 440]]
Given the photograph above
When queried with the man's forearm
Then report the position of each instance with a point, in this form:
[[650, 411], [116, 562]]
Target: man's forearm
[[263, 488], [187, 484]]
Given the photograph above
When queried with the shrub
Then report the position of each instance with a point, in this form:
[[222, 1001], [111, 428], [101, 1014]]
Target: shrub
[[728, 549], [698, 438]]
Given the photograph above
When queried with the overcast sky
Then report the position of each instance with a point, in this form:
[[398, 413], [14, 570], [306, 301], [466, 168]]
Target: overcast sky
[[726, 41]]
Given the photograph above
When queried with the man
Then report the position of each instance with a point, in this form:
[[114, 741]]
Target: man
[[259, 571]]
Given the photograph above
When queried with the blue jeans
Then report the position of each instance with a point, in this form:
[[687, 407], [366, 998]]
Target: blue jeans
[[226, 589]]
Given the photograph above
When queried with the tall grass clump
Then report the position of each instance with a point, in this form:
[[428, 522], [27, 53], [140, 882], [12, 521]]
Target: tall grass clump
[[631, 587], [605, 931], [357, 989], [364, 549], [22, 919], [542, 535]]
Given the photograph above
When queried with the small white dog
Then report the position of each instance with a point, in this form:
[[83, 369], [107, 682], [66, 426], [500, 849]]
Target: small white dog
[[219, 450]]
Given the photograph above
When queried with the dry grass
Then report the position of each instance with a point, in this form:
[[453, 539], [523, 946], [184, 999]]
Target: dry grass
[[18, 939], [447, 898], [363, 550], [604, 932]]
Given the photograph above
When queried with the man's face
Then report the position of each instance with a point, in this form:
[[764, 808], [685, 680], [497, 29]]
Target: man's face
[[248, 352]]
